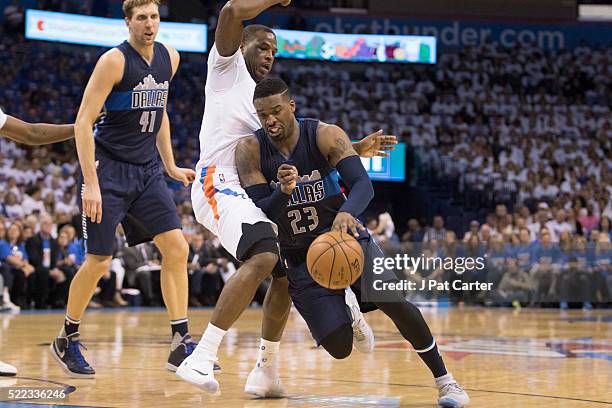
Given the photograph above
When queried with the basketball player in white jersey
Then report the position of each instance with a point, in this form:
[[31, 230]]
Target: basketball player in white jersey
[[239, 58], [30, 134]]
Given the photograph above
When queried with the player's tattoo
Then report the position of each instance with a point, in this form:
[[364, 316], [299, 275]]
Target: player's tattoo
[[338, 150]]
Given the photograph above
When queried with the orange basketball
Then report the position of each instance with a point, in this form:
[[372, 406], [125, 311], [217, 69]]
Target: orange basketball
[[335, 260]]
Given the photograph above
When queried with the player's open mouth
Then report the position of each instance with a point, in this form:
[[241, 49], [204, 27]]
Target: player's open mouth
[[274, 130]]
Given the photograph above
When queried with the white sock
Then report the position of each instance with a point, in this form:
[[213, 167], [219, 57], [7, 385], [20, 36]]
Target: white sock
[[268, 351], [445, 379], [211, 339]]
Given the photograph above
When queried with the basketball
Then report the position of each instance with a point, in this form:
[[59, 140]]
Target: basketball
[[335, 260]]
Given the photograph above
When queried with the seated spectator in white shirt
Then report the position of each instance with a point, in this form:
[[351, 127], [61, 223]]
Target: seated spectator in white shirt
[[558, 225], [546, 190]]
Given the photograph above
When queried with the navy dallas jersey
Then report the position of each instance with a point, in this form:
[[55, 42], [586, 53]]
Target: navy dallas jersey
[[135, 107], [317, 198], [132, 185]]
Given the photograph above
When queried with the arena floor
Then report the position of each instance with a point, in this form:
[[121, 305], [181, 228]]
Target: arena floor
[[504, 358]]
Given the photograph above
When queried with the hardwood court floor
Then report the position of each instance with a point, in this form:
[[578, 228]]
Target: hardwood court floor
[[535, 358]]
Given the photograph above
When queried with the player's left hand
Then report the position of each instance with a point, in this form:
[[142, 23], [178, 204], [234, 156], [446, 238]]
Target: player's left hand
[[185, 176], [375, 145], [345, 222]]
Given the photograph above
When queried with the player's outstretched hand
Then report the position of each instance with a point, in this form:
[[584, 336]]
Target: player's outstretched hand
[[92, 202], [287, 175], [375, 145], [185, 176], [345, 222], [285, 3]]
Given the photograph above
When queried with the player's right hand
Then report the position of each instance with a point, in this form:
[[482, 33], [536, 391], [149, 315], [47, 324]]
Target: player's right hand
[[346, 223], [286, 3], [92, 202], [287, 175]]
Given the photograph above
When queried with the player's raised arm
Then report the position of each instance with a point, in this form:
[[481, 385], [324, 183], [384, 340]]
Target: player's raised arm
[[106, 74], [336, 147], [33, 133], [248, 164], [228, 35]]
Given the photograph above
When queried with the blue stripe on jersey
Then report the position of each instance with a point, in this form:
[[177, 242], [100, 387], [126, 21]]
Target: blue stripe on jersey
[[118, 101], [330, 183]]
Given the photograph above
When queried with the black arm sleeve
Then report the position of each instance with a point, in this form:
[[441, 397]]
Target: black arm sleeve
[[272, 203], [357, 180]]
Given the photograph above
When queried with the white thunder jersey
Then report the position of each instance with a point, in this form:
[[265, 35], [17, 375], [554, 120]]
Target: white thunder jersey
[[3, 118], [219, 202], [229, 114]]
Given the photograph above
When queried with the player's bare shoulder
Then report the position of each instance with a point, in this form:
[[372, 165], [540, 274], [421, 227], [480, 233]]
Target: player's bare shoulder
[[333, 142], [111, 64]]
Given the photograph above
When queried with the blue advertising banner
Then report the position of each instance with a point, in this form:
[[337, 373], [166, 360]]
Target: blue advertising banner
[[457, 33]]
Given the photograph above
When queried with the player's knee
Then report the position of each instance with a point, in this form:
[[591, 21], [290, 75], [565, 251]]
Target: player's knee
[[175, 251], [339, 343], [262, 264], [97, 264]]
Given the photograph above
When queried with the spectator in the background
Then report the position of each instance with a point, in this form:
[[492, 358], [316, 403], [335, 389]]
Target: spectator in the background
[[602, 269], [13, 254], [541, 218], [385, 229], [558, 225], [6, 275], [545, 190], [574, 285], [32, 201], [588, 220], [415, 232], [516, 285], [142, 269], [545, 258], [67, 204], [12, 208], [474, 231], [66, 262], [13, 17], [437, 232], [43, 252]]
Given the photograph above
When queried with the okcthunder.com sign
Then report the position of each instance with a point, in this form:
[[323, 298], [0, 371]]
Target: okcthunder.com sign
[[108, 32]]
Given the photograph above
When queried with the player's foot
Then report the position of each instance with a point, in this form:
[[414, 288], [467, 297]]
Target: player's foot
[[180, 349], [363, 337], [265, 383], [7, 370], [451, 395], [67, 352], [198, 369]]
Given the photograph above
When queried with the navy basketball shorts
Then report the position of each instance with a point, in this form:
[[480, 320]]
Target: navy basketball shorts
[[135, 195], [323, 309]]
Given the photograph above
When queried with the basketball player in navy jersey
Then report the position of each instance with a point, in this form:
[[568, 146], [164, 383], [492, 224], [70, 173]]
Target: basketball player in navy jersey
[[239, 58], [32, 134], [123, 181], [290, 170]]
